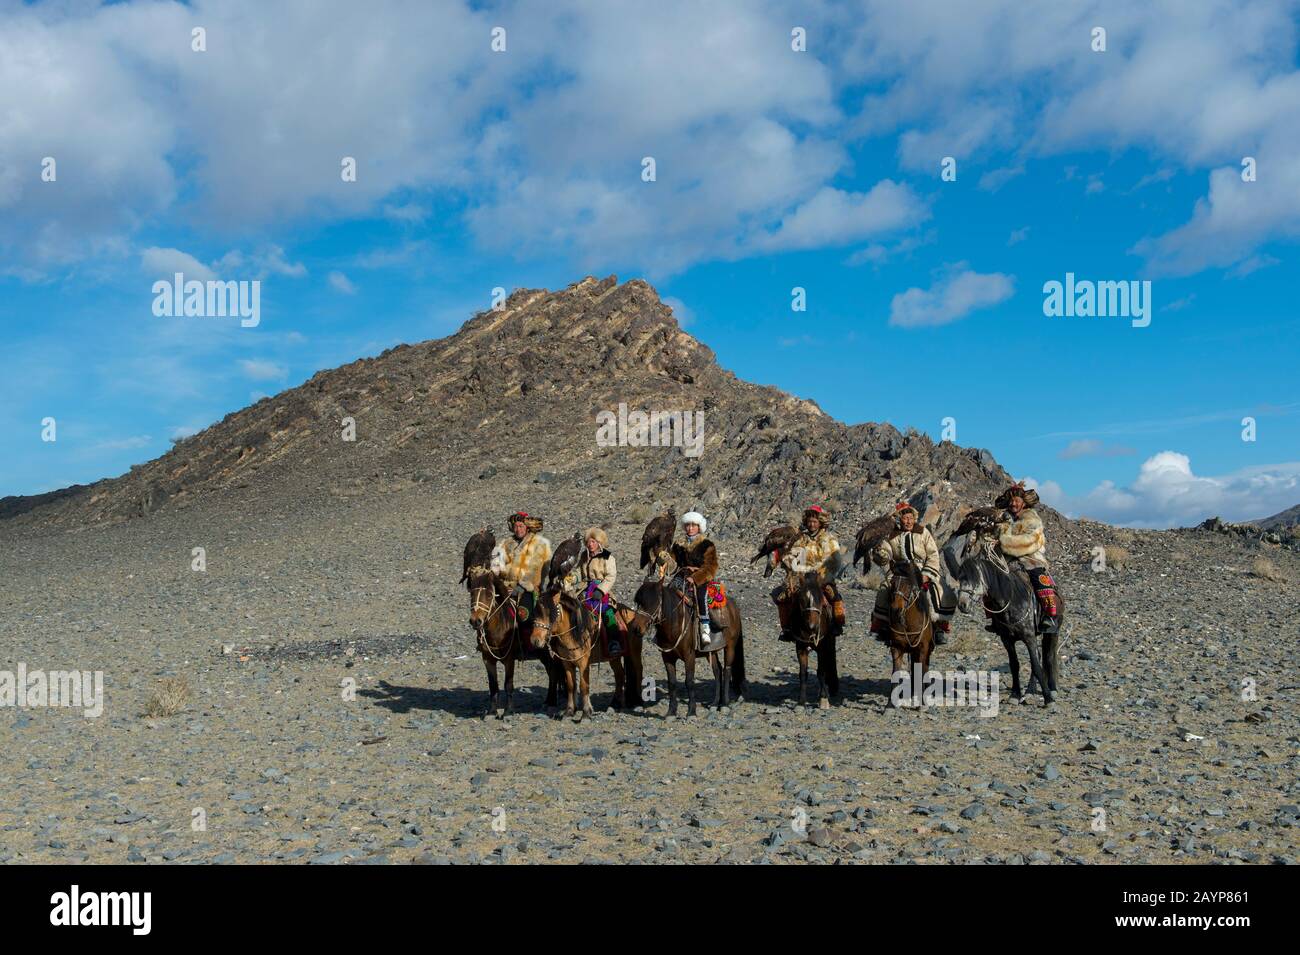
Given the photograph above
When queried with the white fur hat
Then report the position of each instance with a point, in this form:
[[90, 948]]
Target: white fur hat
[[695, 517]]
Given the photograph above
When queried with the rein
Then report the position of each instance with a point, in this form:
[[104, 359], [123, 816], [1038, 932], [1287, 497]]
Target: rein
[[493, 607], [555, 635], [903, 632]]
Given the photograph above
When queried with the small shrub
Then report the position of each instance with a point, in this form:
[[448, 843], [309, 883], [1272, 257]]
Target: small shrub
[[168, 697], [1265, 569], [1116, 557]]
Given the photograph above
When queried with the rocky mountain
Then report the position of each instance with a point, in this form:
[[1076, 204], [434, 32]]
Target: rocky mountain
[[1285, 519], [511, 401]]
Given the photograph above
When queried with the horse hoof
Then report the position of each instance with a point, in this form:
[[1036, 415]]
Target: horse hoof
[[824, 704]]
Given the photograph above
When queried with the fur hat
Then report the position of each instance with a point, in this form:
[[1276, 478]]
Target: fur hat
[[901, 508], [599, 534], [695, 517], [532, 523], [1017, 490], [815, 510]]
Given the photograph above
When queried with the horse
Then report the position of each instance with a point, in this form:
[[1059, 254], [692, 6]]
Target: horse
[[671, 608], [911, 632], [814, 631], [1012, 604], [569, 632], [493, 617]]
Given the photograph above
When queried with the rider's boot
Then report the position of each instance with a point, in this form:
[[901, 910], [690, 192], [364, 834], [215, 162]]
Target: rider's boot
[[878, 629], [942, 628]]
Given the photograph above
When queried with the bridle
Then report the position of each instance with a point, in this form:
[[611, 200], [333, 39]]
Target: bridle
[[492, 608], [553, 637], [906, 634], [657, 617], [983, 555]]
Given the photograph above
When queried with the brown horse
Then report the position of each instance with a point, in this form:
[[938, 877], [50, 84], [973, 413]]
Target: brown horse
[[911, 633], [814, 631], [670, 606], [493, 616], [570, 633]]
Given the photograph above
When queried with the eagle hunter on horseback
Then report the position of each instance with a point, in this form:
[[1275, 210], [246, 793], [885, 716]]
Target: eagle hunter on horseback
[[503, 580], [808, 603], [690, 609], [1004, 565], [909, 546]]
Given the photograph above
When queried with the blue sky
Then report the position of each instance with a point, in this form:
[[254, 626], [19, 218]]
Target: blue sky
[[775, 168]]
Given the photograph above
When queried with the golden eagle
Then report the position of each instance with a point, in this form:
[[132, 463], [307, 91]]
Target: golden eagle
[[871, 534], [658, 536], [478, 552], [775, 544]]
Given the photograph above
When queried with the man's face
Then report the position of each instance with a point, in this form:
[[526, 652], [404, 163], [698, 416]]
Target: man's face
[[520, 528], [814, 525], [908, 520], [1017, 505]]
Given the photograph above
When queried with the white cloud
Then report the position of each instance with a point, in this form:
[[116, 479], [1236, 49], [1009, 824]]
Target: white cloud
[[681, 311], [340, 283], [1093, 448], [835, 217], [952, 297], [165, 263], [261, 370], [1166, 493]]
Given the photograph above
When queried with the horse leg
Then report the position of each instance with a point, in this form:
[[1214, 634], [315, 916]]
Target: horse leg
[[585, 671], [898, 655], [1036, 667], [822, 702], [620, 685], [689, 660], [832, 666], [491, 666], [801, 651], [1052, 659], [715, 664], [1013, 662], [510, 686], [670, 664], [726, 656], [552, 682], [568, 685]]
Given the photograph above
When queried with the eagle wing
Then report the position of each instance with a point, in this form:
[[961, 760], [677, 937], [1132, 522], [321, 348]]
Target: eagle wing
[[776, 543], [478, 551], [566, 557], [981, 519], [658, 536], [871, 534]]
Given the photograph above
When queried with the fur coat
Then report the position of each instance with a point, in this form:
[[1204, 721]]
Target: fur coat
[[522, 561], [603, 568], [1023, 537], [810, 551], [699, 556]]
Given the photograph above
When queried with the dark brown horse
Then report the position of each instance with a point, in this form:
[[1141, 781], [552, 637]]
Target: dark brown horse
[[571, 634], [814, 631], [670, 607], [911, 633], [493, 616]]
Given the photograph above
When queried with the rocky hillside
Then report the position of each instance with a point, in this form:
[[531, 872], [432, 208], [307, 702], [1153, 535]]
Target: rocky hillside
[[511, 401]]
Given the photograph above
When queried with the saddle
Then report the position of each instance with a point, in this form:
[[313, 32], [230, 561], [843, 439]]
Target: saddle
[[717, 622]]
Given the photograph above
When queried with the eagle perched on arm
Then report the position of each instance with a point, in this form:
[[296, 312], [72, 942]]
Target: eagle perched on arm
[[871, 534], [568, 555], [982, 519], [478, 552], [775, 544], [658, 536]]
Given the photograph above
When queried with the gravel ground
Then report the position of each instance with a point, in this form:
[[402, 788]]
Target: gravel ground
[[1150, 728]]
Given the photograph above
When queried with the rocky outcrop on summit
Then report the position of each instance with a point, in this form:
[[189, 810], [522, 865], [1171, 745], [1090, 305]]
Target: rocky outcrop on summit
[[511, 400]]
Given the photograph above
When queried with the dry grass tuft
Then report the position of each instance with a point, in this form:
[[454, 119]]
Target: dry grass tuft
[[168, 698], [1265, 569], [1116, 557]]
